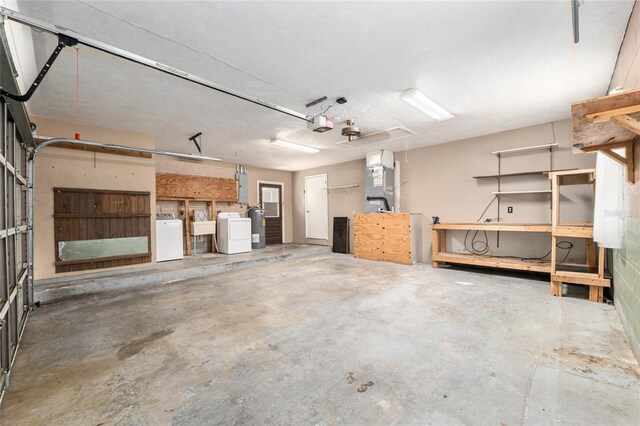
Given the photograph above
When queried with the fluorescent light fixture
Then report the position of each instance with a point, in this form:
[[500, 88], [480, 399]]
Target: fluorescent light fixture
[[295, 146], [426, 105]]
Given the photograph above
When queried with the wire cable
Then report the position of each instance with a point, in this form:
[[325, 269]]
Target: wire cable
[[563, 245], [479, 247]]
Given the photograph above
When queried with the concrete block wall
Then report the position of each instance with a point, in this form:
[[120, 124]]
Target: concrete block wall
[[626, 278], [626, 261]]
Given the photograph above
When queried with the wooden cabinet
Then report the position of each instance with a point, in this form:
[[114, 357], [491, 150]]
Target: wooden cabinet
[[391, 237]]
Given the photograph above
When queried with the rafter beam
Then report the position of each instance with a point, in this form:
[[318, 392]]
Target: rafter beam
[[628, 123], [601, 117]]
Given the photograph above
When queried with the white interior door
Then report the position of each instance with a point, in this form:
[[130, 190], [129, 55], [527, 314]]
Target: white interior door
[[316, 207]]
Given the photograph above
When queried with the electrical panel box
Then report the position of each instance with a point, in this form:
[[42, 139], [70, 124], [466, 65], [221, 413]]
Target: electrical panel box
[[243, 188], [379, 185]]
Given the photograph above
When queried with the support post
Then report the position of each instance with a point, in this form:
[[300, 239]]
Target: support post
[[187, 226], [435, 241]]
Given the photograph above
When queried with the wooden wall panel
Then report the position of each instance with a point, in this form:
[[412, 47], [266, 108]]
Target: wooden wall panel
[[175, 186], [90, 214]]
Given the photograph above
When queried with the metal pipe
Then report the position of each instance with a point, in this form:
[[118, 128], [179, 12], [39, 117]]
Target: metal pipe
[[115, 51], [575, 19], [31, 187], [384, 199]]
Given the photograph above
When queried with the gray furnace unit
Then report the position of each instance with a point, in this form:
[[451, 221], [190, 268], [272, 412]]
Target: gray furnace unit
[[379, 182], [258, 233]]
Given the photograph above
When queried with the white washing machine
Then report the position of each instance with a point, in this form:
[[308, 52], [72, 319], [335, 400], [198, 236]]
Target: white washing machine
[[234, 233], [168, 237]]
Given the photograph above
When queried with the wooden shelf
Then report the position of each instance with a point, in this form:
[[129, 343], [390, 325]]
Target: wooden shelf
[[539, 191], [585, 278], [595, 122], [495, 226], [606, 123], [577, 177], [493, 262], [573, 231], [526, 149], [507, 175]]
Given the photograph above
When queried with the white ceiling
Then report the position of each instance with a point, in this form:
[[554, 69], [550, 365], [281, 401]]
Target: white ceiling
[[495, 65]]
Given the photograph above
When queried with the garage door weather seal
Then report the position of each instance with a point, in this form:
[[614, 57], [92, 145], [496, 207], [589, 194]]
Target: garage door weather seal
[[59, 31]]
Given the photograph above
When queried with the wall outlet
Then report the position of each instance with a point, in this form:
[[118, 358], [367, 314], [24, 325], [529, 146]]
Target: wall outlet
[[509, 209]]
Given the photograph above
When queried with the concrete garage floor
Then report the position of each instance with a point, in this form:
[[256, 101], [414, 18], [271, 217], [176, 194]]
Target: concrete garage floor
[[291, 342]]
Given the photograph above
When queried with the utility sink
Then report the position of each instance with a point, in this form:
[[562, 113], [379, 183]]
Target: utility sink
[[207, 227]]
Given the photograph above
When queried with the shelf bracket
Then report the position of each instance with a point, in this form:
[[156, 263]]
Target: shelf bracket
[[626, 161]]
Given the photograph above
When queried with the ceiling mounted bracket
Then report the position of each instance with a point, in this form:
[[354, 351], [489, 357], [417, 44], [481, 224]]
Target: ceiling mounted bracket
[[575, 19], [37, 24], [197, 141], [316, 102], [63, 41]]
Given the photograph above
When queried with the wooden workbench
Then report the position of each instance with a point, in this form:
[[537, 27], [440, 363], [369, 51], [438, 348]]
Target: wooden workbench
[[440, 255]]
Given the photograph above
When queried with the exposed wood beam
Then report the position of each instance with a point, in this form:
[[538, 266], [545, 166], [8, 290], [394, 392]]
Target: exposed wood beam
[[601, 117], [592, 148], [628, 123], [594, 124]]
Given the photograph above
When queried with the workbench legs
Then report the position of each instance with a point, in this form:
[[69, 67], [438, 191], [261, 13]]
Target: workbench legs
[[438, 244]]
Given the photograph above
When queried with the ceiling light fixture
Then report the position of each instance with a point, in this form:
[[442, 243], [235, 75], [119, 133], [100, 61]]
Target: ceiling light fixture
[[425, 105], [295, 146]]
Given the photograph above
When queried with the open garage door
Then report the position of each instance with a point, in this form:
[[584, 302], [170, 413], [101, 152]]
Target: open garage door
[[15, 135]]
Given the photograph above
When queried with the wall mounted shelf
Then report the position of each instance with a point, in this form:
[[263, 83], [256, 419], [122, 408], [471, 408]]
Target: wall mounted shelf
[[534, 173], [333, 188], [607, 123], [545, 147], [537, 191], [540, 191]]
